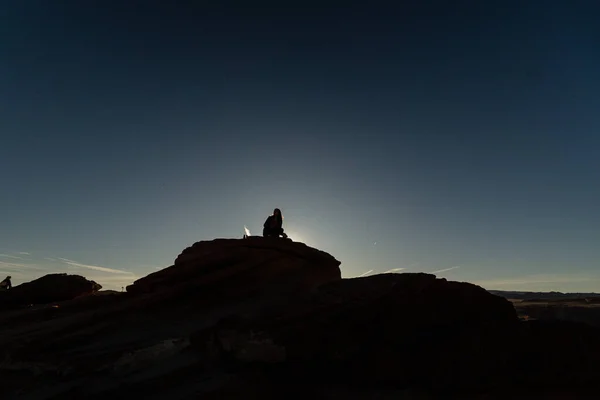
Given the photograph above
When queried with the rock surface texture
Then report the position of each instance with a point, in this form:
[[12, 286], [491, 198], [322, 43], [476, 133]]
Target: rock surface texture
[[250, 264], [272, 319], [49, 288]]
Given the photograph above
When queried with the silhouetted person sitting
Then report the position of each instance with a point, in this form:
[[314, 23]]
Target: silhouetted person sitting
[[273, 225], [5, 284]]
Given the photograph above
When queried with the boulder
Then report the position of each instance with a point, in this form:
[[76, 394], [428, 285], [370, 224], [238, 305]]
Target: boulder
[[237, 268], [47, 289], [390, 329]]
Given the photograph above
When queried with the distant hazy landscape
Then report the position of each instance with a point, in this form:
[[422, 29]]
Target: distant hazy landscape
[[519, 295]]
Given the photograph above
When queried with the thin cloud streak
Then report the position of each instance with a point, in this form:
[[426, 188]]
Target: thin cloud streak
[[9, 256], [365, 273], [19, 266], [94, 267], [24, 253], [445, 270], [394, 270], [402, 269]]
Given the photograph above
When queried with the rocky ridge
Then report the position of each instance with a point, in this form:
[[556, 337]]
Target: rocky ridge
[[267, 318]]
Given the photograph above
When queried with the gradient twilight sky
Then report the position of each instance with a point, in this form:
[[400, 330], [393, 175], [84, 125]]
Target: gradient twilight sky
[[453, 136]]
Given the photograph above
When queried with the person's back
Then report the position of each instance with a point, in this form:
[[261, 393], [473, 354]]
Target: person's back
[[273, 225]]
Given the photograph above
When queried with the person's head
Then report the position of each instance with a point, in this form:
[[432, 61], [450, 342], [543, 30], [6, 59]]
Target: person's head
[[277, 213], [8, 277]]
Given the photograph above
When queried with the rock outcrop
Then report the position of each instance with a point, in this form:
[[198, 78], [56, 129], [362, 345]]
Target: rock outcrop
[[390, 329], [241, 268], [266, 318], [47, 289]]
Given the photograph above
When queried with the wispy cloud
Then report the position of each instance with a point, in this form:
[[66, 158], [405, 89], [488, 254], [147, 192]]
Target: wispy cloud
[[402, 269], [365, 273], [445, 270], [394, 270], [18, 266], [94, 267], [24, 253], [50, 259], [9, 256]]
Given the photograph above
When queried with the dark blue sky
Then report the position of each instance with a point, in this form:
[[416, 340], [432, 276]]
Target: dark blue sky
[[430, 135]]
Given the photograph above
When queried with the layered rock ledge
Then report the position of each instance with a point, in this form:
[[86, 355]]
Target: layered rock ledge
[[236, 266]]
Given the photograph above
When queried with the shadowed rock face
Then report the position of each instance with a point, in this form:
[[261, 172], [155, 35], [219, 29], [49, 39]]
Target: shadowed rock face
[[391, 329], [229, 267], [204, 328], [49, 288]]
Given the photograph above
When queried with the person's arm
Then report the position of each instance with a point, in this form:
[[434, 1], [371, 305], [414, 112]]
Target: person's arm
[[266, 224]]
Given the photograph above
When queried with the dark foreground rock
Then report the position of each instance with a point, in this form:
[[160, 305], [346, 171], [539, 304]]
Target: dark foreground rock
[[393, 330], [203, 329], [49, 288]]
